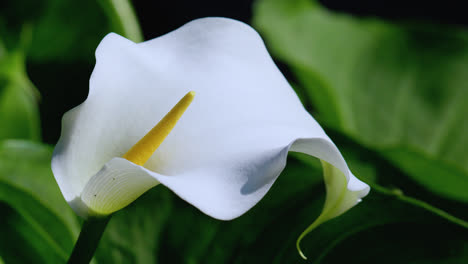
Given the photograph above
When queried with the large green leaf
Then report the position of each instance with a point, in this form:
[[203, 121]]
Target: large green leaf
[[161, 228], [35, 211], [396, 88]]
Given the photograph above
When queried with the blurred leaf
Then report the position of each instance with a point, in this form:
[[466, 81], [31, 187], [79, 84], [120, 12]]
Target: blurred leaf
[[38, 214], [398, 89], [403, 243], [377, 211], [19, 113], [377, 214], [161, 228], [151, 231], [434, 174], [61, 30], [40, 31], [132, 235], [64, 30], [123, 18], [56, 40], [23, 242], [213, 241]]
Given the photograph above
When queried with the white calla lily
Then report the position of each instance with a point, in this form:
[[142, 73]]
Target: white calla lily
[[226, 150]]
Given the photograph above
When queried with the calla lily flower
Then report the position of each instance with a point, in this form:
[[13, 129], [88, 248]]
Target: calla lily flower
[[225, 151]]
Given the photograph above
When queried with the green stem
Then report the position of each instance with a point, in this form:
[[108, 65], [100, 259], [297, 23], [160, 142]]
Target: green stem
[[88, 240], [123, 18], [400, 196]]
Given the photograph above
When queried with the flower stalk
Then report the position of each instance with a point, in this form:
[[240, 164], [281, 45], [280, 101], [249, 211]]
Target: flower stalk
[[88, 240]]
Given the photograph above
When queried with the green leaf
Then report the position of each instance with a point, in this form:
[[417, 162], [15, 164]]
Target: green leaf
[[60, 30], [50, 36], [23, 242], [19, 113], [437, 175], [37, 213], [66, 30], [41, 31], [379, 210], [403, 243], [132, 235], [123, 18], [399, 89], [161, 228]]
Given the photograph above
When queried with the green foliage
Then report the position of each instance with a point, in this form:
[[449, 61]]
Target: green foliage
[[161, 228], [122, 18], [19, 114], [399, 89], [59, 30], [23, 242], [35, 215], [133, 234], [391, 94]]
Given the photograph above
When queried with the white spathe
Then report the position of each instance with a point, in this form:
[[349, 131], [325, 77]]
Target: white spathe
[[227, 149]]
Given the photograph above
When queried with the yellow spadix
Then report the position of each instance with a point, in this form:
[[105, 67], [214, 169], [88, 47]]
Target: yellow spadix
[[143, 149]]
